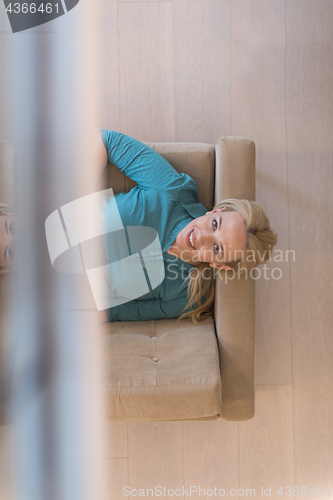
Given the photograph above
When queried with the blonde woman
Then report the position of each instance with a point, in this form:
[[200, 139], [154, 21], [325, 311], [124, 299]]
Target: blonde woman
[[196, 243]]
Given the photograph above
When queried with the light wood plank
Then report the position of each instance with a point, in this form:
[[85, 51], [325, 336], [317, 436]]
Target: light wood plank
[[258, 112], [310, 158], [210, 457], [155, 455], [116, 439], [266, 443], [147, 100], [202, 60], [117, 478], [109, 70]]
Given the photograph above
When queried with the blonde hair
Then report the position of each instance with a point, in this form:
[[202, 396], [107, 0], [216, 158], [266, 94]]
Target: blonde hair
[[260, 241]]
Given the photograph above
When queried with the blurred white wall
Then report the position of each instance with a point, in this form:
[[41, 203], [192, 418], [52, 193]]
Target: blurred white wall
[[50, 107]]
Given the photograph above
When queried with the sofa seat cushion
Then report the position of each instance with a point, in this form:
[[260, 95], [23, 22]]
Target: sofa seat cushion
[[161, 370]]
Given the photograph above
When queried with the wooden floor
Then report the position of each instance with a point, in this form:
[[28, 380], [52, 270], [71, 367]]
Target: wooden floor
[[195, 70]]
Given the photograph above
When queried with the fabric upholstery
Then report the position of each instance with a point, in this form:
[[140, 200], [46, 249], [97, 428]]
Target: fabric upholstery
[[183, 384], [202, 372], [235, 298], [235, 169], [162, 370]]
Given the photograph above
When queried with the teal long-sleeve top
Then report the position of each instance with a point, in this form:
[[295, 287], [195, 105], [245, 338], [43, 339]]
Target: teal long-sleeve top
[[165, 201]]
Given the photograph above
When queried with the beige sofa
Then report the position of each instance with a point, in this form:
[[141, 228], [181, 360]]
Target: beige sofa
[[169, 370]]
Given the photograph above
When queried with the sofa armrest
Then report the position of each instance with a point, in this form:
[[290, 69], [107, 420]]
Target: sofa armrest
[[235, 298]]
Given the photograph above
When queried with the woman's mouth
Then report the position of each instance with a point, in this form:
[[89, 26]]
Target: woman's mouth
[[190, 239]]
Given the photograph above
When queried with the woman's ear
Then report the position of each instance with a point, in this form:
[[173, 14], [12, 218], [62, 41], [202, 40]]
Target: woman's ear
[[220, 266], [3, 212], [226, 268], [5, 271], [216, 210]]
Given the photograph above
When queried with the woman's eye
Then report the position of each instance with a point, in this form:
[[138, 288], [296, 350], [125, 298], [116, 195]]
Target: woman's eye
[[12, 228], [11, 252], [216, 247]]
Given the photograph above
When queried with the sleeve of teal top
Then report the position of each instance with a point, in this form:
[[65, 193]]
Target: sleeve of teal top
[[146, 310], [142, 164]]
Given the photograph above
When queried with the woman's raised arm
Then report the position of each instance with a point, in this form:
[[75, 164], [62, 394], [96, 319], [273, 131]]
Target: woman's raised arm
[[141, 163]]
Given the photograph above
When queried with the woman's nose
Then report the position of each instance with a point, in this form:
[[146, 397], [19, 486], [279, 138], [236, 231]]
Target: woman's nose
[[10, 243], [205, 238], [10, 239]]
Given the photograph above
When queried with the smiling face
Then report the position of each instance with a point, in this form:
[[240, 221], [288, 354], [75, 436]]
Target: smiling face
[[217, 237], [7, 238]]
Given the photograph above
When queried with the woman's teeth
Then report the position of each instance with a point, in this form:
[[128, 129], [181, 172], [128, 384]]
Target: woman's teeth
[[191, 239]]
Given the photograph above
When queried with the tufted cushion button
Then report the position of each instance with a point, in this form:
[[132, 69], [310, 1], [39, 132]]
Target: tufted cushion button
[[155, 359], [154, 338]]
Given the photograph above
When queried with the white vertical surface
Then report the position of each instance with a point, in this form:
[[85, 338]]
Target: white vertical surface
[[56, 404]]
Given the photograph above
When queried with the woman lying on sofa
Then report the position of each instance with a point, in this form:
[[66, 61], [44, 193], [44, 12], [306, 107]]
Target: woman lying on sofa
[[196, 244]]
